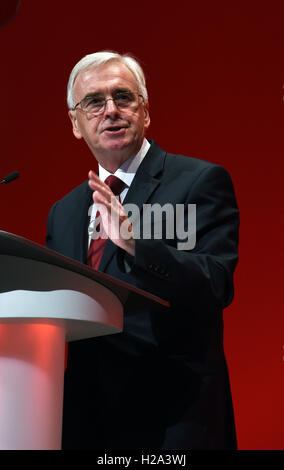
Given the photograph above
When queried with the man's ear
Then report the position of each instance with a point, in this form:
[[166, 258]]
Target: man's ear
[[147, 119], [75, 127]]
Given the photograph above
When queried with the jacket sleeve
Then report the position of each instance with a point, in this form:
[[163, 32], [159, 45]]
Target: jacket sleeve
[[206, 271]]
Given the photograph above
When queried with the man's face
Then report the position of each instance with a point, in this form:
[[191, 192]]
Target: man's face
[[115, 134]]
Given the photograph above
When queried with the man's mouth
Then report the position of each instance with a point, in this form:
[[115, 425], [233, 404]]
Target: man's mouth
[[114, 129]]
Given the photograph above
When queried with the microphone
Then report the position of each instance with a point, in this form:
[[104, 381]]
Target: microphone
[[11, 177]]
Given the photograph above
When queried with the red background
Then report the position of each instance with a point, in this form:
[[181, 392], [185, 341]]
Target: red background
[[215, 80]]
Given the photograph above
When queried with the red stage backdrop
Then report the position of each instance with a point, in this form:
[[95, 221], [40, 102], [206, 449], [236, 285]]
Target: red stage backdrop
[[215, 80]]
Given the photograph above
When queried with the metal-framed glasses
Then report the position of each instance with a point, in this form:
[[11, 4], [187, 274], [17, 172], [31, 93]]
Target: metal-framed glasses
[[94, 104]]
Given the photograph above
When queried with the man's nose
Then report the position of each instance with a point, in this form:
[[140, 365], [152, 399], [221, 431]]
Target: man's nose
[[110, 107]]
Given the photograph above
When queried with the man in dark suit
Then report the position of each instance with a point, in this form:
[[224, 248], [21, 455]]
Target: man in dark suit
[[163, 382]]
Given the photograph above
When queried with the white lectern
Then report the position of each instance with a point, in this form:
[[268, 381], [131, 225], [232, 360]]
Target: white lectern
[[45, 300]]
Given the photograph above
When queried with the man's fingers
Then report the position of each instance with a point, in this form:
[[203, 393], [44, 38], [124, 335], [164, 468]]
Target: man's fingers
[[111, 210], [99, 199], [97, 185], [101, 188], [91, 174]]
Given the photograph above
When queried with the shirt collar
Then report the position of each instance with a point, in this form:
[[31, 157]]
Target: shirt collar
[[128, 169]]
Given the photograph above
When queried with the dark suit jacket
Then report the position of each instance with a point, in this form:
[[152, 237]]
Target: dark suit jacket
[[162, 383]]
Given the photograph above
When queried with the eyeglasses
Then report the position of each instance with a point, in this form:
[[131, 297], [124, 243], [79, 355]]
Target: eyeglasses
[[94, 105]]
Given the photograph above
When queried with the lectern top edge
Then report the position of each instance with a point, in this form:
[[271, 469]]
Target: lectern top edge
[[15, 245]]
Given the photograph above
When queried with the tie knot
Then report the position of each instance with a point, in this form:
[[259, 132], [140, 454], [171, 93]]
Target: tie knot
[[115, 184]]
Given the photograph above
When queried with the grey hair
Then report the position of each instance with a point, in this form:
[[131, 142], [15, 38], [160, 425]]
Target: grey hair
[[99, 58]]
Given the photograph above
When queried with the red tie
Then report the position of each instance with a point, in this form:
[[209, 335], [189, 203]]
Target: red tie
[[97, 245]]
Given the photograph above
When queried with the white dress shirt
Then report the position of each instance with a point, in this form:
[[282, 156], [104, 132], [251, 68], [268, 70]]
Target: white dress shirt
[[126, 173]]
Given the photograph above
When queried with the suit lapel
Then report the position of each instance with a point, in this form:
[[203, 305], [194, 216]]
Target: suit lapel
[[146, 180]]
